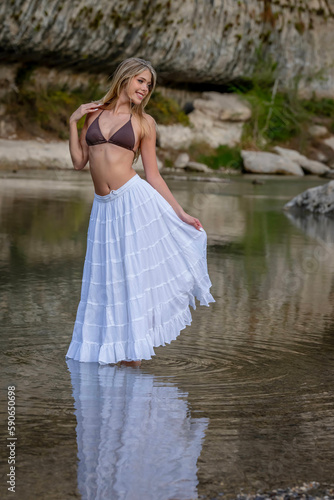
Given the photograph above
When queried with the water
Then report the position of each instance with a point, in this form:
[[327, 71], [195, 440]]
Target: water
[[243, 400]]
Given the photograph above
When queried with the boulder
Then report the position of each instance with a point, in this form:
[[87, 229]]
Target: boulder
[[139, 167], [197, 167], [269, 163], [317, 131], [329, 142], [310, 166], [223, 107], [329, 174], [34, 154], [175, 136], [214, 132], [182, 160], [319, 200]]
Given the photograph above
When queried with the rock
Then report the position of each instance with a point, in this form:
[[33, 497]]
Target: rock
[[318, 200], [175, 136], [33, 154], [329, 174], [221, 48], [139, 167], [7, 128], [320, 156], [182, 160], [214, 132], [269, 163], [310, 166], [197, 167], [204, 129], [329, 142], [3, 109], [317, 131], [224, 107]]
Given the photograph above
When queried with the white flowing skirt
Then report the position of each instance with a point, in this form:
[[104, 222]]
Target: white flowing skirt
[[144, 266]]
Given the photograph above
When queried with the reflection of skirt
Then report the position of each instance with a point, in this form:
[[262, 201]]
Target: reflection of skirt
[[144, 266]]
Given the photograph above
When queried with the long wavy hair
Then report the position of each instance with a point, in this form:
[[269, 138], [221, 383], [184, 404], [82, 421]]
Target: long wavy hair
[[121, 79]]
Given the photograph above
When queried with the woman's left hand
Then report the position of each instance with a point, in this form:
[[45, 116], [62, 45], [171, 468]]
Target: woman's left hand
[[191, 220]]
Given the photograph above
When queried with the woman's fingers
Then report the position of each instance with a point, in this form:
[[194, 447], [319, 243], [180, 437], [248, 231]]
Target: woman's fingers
[[83, 110]]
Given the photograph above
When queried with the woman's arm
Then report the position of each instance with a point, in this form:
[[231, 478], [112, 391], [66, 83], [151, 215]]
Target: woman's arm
[[78, 147], [153, 177]]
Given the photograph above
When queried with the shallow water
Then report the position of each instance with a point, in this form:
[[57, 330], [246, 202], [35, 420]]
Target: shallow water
[[243, 400]]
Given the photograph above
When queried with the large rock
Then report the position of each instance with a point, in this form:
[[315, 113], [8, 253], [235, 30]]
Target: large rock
[[212, 42], [269, 163], [223, 107], [318, 200], [310, 166], [204, 129], [139, 167], [329, 142], [175, 136], [34, 154]]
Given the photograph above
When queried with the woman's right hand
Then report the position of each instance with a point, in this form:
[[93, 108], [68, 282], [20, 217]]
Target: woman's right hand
[[83, 110]]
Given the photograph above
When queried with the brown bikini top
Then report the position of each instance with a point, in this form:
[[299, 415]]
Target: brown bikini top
[[123, 137]]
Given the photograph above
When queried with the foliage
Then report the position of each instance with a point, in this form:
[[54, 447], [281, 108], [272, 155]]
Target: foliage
[[277, 115], [165, 110], [49, 108], [223, 156]]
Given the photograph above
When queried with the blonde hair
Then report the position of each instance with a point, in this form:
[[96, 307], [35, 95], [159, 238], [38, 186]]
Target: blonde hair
[[121, 79]]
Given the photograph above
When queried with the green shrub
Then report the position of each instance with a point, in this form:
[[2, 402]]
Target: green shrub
[[165, 110], [223, 156]]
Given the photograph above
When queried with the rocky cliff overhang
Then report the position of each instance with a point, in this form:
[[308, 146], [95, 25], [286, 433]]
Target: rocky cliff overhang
[[198, 41]]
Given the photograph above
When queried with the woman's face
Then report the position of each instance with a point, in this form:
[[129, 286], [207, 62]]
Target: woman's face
[[139, 86]]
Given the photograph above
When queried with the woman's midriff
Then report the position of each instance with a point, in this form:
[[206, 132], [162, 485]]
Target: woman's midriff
[[109, 167]]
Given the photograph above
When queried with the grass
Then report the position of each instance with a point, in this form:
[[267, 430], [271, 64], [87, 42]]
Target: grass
[[49, 109], [223, 156]]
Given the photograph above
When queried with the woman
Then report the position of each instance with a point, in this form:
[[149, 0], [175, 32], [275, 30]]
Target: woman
[[146, 258]]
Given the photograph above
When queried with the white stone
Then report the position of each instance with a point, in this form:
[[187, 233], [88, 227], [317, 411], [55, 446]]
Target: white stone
[[329, 142], [139, 167], [310, 166], [214, 133], [182, 160], [319, 199], [197, 167], [175, 136], [225, 107], [269, 163], [317, 131], [7, 128], [33, 154]]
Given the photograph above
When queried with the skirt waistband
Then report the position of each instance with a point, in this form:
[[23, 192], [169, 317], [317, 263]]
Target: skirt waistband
[[114, 193]]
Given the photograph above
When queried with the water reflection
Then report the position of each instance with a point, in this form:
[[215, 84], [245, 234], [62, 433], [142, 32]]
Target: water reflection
[[318, 227], [136, 437]]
